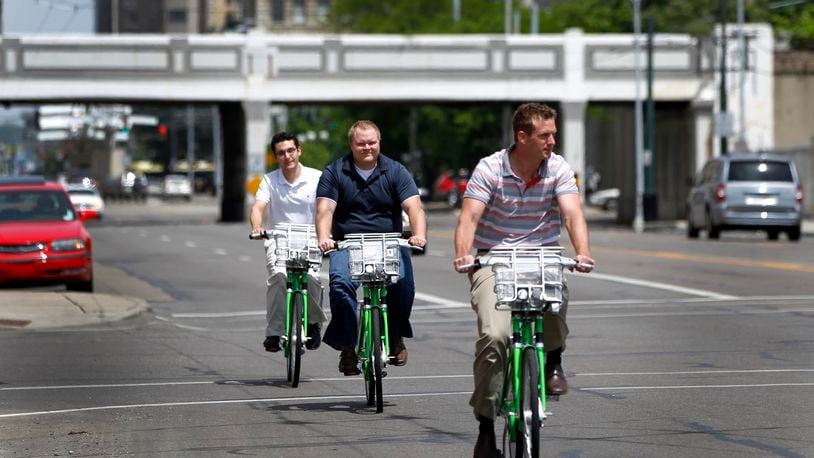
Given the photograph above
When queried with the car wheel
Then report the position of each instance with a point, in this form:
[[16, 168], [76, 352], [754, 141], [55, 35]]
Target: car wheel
[[713, 231], [611, 204], [794, 233], [692, 231]]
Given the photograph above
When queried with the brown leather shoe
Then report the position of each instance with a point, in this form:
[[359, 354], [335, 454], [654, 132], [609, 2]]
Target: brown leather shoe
[[555, 382], [398, 352], [348, 361]]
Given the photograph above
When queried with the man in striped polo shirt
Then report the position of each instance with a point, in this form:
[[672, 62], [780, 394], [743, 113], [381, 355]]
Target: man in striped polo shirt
[[519, 196]]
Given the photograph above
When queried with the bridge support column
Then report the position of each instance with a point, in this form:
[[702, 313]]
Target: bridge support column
[[245, 133], [233, 127], [573, 122]]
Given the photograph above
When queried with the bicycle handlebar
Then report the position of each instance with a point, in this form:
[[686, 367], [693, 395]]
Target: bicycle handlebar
[[488, 260]]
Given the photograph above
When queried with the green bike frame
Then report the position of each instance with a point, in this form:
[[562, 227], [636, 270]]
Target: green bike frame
[[527, 333], [375, 298], [296, 284]]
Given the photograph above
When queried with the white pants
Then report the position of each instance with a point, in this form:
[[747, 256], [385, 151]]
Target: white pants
[[276, 295]]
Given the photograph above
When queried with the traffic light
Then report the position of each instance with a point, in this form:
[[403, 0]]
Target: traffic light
[[162, 130]]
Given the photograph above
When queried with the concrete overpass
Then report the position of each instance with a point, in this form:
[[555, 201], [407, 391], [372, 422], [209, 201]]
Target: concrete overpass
[[243, 74]]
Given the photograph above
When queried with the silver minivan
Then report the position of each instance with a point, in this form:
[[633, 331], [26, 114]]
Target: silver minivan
[[746, 192]]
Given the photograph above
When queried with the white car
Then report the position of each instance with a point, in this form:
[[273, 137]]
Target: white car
[[87, 199], [177, 186], [607, 199]]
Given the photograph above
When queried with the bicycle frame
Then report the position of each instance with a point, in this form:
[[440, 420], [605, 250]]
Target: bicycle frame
[[296, 249], [374, 261], [528, 281]]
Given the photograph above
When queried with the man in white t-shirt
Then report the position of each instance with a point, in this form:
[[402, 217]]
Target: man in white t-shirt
[[289, 193]]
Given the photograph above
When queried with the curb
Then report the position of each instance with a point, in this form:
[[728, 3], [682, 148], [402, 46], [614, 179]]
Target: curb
[[46, 310]]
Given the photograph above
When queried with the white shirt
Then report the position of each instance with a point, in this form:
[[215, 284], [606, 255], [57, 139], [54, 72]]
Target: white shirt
[[290, 202]]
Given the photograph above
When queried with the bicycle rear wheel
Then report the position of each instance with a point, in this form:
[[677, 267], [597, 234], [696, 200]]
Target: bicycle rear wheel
[[378, 362], [295, 341]]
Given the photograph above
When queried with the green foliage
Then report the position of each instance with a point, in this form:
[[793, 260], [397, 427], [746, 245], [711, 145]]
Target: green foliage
[[694, 17]]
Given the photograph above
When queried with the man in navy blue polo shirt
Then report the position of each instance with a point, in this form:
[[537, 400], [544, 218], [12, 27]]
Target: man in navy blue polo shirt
[[365, 192]]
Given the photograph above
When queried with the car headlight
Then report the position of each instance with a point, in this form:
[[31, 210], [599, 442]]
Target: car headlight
[[68, 245]]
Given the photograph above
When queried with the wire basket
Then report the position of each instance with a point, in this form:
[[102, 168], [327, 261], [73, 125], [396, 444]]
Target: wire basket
[[528, 278], [296, 246]]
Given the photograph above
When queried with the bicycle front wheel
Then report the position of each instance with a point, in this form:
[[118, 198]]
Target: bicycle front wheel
[[378, 363], [528, 439], [295, 341]]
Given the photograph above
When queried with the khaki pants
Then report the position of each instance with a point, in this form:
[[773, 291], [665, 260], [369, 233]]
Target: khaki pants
[[494, 330]]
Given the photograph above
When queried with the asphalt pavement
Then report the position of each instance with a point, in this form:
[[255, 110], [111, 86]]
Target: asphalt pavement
[[37, 309]]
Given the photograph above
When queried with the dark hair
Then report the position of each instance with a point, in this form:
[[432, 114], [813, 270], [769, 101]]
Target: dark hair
[[525, 115], [283, 136]]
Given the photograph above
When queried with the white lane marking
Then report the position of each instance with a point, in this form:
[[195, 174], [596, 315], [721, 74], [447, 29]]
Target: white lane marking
[[219, 314], [577, 316], [108, 385], [226, 401], [440, 301], [164, 238], [406, 377], [656, 285], [612, 304], [723, 371], [190, 244], [218, 382], [686, 387], [220, 251], [244, 258]]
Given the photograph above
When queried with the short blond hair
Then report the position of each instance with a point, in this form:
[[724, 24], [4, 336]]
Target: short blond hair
[[363, 124]]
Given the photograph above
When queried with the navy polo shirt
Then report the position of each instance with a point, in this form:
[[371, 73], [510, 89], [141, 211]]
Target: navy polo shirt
[[372, 205]]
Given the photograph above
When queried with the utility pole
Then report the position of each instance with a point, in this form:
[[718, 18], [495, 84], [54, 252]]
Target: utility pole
[[742, 146], [507, 17], [456, 11], [650, 203], [638, 219], [535, 17], [723, 117]]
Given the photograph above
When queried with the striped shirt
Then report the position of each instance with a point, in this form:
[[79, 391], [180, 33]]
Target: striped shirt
[[517, 213]]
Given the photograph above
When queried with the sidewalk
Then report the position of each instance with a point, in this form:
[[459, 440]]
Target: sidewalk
[[42, 310]]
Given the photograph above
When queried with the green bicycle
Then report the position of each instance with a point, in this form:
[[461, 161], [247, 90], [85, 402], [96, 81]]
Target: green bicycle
[[374, 262], [296, 249], [528, 282]]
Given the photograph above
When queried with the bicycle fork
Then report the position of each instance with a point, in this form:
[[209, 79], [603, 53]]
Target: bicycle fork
[[525, 334], [374, 298], [295, 284]]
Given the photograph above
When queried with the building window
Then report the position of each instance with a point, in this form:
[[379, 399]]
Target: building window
[[177, 16], [323, 8], [278, 11], [298, 13]]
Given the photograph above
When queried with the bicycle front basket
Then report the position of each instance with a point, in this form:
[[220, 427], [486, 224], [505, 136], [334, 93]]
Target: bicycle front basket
[[373, 257], [296, 246], [527, 278]]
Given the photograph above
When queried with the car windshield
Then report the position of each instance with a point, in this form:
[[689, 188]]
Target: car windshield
[[759, 171], [28, 205]]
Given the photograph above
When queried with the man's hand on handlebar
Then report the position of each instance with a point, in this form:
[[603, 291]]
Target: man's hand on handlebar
[[417, 241], [327, 245], [464, 264], [585, 264], [257, 234]]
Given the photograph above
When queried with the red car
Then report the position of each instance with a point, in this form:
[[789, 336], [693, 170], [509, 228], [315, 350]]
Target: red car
[[42, 237]]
